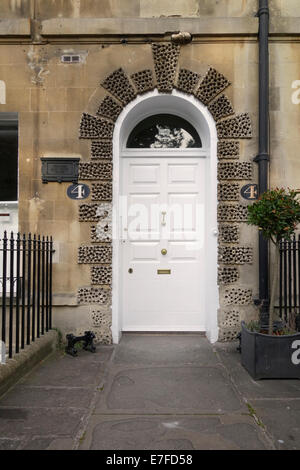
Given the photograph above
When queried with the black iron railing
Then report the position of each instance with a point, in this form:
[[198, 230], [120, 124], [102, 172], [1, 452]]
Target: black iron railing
[[25, 289], [289, 279]]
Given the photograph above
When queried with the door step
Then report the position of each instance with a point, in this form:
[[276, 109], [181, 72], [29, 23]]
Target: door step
[[164, 333]]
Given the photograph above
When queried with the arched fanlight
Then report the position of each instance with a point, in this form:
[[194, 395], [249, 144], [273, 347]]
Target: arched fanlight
[[164, 131]]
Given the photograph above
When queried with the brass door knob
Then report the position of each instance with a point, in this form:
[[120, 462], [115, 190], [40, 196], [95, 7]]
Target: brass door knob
[[164, 251]]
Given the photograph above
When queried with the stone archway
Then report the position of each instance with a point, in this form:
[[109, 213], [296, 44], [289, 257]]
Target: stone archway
[[231, 127]]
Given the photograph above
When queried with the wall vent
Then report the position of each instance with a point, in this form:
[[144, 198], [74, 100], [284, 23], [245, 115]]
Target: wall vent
[[70, 59]]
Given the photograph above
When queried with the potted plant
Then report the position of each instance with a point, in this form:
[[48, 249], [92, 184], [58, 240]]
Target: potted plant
[[267, 353]]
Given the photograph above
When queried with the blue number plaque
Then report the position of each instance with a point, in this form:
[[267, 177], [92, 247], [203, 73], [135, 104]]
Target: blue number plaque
[[78, 191]]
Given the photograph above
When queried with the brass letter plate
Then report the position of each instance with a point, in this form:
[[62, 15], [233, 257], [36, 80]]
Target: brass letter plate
[[164, 271]]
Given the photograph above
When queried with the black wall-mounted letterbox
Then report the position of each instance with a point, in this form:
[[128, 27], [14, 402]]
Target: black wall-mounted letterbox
[[60, 170]]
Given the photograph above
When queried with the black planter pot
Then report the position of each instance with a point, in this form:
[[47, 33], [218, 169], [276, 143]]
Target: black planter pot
[[270, 357]]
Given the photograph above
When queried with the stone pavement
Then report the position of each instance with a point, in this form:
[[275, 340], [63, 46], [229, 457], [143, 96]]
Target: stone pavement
[[156, 392]]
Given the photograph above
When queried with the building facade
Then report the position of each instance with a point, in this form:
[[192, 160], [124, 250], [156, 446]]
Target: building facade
[[156, 104]]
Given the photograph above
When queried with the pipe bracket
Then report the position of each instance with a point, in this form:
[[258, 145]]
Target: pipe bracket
[[261, 157], [263, 11]]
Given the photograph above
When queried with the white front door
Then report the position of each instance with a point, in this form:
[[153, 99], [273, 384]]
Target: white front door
[[163, 243]]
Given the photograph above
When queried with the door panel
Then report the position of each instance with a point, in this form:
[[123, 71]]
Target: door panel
[[183, 252], [144, 174], [144, 251], [182, 174]]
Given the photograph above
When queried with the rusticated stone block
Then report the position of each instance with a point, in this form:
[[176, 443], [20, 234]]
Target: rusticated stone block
[[228, 191], [228, 334], [229, 234], [95, 128], [118, 84], [235, 254], [187, 81], [101, 149], [165, 62], [237, 127], [102, 214], [238, 296], [235, 170], [228, 149], [109, 108], [93, 295], [101, 192], [95, 254], [102, 232], [143, 81], [103, 335], [212, 84], [101, 275], [88, 212], [95, 171], [227, 275], [232, 213], [231, 319], [101, 317], [221, 108]]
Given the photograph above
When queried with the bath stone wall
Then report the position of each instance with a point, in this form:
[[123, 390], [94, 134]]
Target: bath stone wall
[[209, 88], [45, 9]]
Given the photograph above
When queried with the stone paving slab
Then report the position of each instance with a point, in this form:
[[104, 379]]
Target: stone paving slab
[[49, 443], [9, 444], [250, 388], [64, 370], [281, 419], [168, 389], [38, 443], [47, 397], [171, 433], [18, 422]]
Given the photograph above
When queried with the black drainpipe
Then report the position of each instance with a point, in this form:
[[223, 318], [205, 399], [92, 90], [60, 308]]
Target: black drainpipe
[[263, 157]]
